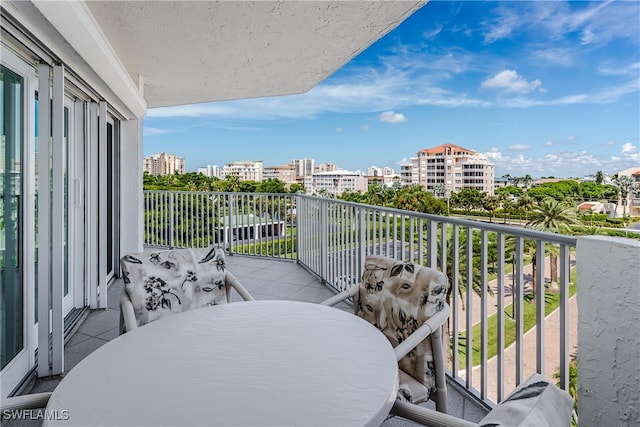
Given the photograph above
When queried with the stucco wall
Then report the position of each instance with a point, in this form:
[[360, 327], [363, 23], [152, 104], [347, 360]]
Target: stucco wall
[[608, 331]]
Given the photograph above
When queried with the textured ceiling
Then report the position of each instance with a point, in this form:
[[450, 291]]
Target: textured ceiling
[[197, 51]]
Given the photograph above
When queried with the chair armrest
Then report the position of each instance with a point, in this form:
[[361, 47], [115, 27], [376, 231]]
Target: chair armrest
[[128, 320], [231, 280], [427, 417], [434, 322], [27, 401], [348, 293]]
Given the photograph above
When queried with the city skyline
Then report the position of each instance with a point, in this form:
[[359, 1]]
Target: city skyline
[[544, 89]]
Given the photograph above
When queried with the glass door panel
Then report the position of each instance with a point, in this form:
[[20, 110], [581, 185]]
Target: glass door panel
[[11, 225]]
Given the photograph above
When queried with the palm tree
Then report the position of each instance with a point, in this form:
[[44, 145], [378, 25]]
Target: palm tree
[[554, 216], [525, 203], [625, 185]]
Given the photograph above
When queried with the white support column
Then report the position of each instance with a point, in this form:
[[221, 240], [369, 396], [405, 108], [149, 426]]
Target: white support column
[[608, 333], [92, 206], [57, 223], [102, 205], [131, 206], [44, 226]]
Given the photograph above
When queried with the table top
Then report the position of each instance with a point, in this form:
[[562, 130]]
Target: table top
[[253, 363]]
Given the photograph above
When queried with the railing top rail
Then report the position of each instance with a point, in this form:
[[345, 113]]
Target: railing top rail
[[218, 193], [498, 228]]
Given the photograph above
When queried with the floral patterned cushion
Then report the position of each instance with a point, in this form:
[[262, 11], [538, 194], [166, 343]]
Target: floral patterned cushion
[[164, 282], [398, 297]]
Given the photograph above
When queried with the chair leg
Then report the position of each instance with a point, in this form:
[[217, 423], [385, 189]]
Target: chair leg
[[441, 381]]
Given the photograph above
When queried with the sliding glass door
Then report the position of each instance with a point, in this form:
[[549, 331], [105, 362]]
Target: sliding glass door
[[17, 212]]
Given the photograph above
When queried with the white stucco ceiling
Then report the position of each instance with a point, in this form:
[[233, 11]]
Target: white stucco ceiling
[[197, 51]]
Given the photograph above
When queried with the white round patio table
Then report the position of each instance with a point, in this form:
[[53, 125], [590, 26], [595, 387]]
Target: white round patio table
[[259, 363]]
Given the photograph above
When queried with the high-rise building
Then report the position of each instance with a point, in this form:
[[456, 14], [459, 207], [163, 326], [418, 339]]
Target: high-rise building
[[245, 170], [335, 182], [304, 167], [326, 167], [454, 167], [284, 173], [212, 171], [163, 164]]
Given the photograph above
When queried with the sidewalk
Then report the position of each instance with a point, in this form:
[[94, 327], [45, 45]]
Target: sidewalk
[[551, 339]]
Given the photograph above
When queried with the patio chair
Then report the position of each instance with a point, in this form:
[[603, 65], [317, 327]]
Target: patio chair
[[164, 282], [26, 401], [535, 402], [406, 302]]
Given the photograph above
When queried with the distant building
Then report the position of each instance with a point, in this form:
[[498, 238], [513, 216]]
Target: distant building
[[409, 172], [163, 164], [454, 167], [285, 173], [212, 171], [326, 167], [385, 175], [335, 182], [245, 170], [304, 167]]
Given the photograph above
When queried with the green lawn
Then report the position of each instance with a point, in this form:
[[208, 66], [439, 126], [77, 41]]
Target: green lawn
[[552, 303]]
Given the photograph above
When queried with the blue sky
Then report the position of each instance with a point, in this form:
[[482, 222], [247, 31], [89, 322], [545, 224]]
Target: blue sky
[[541, 88]]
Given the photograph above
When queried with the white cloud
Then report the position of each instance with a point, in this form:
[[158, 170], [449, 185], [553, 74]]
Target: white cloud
[[520, 147], [631, 152], [558, 56], [392, 117], [510, 81], [339, 130], [608, 143], [150, 131], [365, 127], [549, 143]]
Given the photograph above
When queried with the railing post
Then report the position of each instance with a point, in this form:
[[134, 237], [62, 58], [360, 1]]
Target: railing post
[[229, 236], [324, 231], [171, 216]]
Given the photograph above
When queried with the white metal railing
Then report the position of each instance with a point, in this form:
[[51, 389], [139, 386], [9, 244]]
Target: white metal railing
[[489, 268], [246, 223]]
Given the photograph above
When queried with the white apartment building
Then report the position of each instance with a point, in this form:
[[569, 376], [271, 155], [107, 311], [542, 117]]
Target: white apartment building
[[409, 172], [335, 182], [376, 171], [163, 164], [304, 167], [453, 166], [245, 170], [212, 171], [285, 173]]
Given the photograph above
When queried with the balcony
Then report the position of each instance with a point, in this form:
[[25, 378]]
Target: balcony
[[502, 279]]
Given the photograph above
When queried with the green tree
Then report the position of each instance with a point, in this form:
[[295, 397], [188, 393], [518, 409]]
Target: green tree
[[297, 188], [352, 196], [468, 199], [599, 178], [590, 191], [554, 216], [416, 198], [491, 204], [272, 185]]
